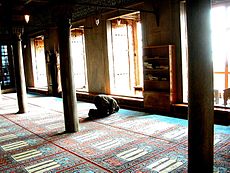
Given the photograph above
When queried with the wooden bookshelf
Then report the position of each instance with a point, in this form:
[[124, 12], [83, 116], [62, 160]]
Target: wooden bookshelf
[[159, 77]]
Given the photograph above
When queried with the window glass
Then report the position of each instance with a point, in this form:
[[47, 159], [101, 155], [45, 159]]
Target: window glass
[[39, 63], [220, 33], [229, 81], [79, 60], [219, 81], [219, 61], [125, 55], [220, 26], [228, 17], [5, 72]]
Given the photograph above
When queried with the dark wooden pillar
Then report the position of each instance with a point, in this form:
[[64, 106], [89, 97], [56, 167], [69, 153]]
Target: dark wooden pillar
[[52, 58], [67, 80], [51, 73], [19, 70], [201, 103]]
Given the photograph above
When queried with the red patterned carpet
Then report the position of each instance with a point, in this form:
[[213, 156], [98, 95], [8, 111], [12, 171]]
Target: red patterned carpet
[[127, 141]]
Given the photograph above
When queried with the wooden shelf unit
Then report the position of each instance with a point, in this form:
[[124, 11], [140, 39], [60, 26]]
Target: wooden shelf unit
[[159, 77]]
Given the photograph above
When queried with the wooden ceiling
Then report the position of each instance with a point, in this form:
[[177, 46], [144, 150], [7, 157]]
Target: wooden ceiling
[[14, 10], [42, 11]]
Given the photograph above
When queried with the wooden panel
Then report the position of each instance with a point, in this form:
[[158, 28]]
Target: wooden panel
[[158, 101], [156, 85]]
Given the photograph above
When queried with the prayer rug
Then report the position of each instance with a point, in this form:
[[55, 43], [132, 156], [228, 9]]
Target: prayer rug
[[127, 141]]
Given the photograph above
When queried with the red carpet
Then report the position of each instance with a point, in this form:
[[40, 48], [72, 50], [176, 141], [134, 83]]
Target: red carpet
[[127, 141]]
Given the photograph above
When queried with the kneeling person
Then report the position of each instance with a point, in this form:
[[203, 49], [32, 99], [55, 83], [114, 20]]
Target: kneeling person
[[105, 106]]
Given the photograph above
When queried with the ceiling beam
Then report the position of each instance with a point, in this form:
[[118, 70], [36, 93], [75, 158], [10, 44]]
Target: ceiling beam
[[113, 7], [39, 1]]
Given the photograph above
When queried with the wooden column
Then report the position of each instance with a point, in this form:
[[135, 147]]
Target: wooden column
[[201, 103], [19, 70], [67, 80], [53, 73], [51, 49]]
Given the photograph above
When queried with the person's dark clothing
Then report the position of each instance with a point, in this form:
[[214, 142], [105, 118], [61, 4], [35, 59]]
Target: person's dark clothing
[[105, 106]]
